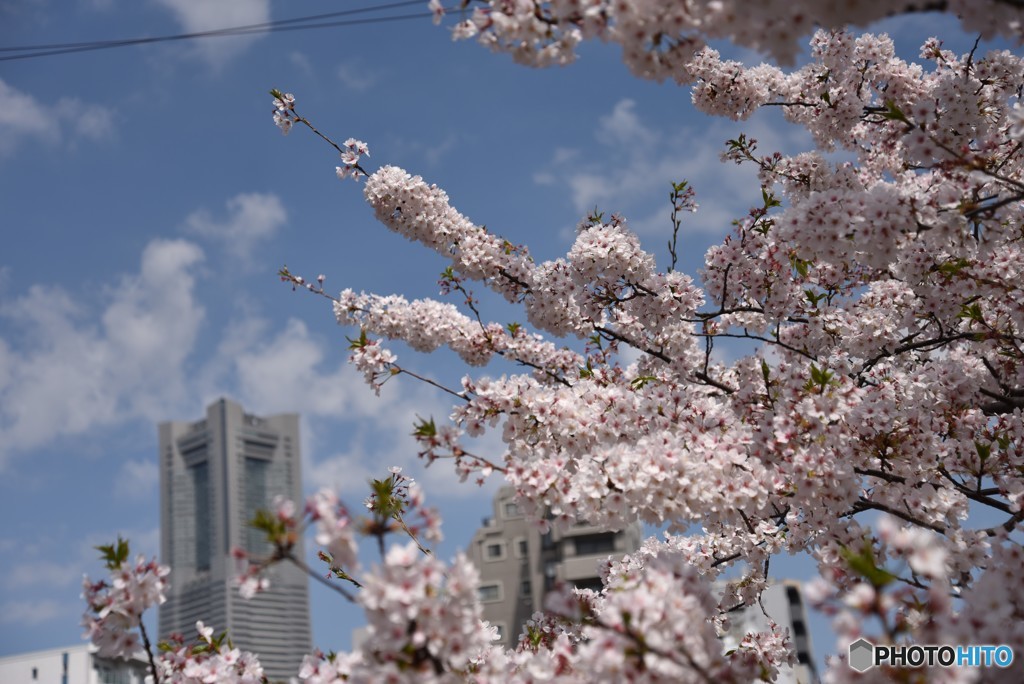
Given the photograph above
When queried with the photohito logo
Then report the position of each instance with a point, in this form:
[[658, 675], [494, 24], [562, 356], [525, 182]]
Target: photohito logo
[[865, 655]]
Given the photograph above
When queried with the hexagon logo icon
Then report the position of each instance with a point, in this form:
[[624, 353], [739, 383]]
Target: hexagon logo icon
[[862, 655]]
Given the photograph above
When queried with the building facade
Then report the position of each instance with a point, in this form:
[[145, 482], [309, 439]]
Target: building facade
[[783, 603], [519, 565], [215, 474], [76, 664]]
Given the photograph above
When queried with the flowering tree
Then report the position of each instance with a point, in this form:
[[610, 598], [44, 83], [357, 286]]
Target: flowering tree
[[878, 427]]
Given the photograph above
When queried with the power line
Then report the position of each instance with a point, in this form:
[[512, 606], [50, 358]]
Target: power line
[[278, 26]]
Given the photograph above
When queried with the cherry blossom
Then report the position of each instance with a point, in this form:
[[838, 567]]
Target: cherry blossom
[[882, 409], [883, 290]]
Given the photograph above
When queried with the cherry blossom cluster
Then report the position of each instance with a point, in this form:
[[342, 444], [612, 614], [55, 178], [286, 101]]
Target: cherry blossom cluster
[[399, 499], [651, 624], [874, 587], [284, 111], [249, 577], [209, 659], [335, 530], [114, 625], [883, 289], [116, 604], [659, 39], [425, 620], [882, 409], [353, 151]]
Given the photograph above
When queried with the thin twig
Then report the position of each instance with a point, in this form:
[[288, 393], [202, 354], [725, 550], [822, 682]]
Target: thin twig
[[149, 652], [322, 580]]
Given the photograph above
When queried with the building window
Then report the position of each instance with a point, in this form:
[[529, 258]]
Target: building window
[[35, 673], [593, 544], [113, 674], [489, 593], [593, 583], [525, 588], [494, 550], [512, 510], [256, 499], [201, 489], [522, 547]]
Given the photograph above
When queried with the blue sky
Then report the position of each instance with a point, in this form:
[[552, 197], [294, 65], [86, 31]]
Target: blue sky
[[148, 202]]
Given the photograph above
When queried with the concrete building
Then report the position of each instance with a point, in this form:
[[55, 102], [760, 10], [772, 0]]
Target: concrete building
[[77, 664], [783, 602], [215, 474], [519, 565]]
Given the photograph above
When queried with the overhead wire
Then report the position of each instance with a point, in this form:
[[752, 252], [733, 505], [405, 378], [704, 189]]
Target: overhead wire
[[315, 21]]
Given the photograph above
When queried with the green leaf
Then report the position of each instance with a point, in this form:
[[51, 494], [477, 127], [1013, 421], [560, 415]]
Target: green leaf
[[953, 266], [425, 428], [800, 265], [893, 113], [984, 451], [639, 381], [383, 501], [114, 555], [821, 377], [863, 564], [359, 342], [971, 312]]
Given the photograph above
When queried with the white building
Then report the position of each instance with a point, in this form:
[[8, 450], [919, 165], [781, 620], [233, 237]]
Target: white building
[[77, 664], [783, 602], [215, 473]]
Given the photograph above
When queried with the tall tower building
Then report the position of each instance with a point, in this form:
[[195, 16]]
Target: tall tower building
[[215, 474]]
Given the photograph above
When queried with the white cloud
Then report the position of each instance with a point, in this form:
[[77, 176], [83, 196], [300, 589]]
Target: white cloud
[[288, 374], [251, 218], [631, 168], [357, 76], [43, 573], [69, 119], [293, 372], [432, 151], [137, 479], [29, 612], [197, 16], [99, 368], [86, 120], [301, 62], [623, 127]]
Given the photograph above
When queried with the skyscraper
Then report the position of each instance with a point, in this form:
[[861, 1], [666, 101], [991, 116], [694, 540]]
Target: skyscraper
[[215, 474]]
